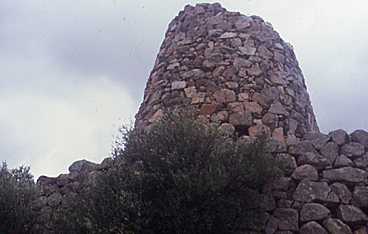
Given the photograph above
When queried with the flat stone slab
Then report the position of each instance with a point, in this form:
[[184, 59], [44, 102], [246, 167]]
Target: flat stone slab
[[346, 175], [178, 85]]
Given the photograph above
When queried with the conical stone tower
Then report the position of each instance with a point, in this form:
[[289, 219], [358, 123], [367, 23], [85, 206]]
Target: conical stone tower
[[232, 67]]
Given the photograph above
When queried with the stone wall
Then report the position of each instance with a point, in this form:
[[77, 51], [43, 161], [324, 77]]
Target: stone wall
[[238, 70], [54, 189], [231, 67], [325, 188]]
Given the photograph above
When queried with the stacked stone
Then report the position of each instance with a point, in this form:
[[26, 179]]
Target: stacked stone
[[325, 186], [54, 189], [238, 70], [233, 68]]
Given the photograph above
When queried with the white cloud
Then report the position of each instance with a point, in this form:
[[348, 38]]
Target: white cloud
[[55, 132]]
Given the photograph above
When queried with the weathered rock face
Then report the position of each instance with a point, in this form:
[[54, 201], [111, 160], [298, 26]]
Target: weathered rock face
[[231, 67]]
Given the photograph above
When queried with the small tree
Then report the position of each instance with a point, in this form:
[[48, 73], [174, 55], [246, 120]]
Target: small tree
[[183, 175], [18, 196]]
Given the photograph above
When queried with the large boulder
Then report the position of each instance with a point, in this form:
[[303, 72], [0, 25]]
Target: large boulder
[[346, 175], [360, 136], [340, 137], [353, 149], [314, 159], [314, 212], [351, 214], [310, 191], [336, 226], [312, 228], [82, 165], [360, 196], [287, 219], [342, 192], [317, 139], [305, 171]]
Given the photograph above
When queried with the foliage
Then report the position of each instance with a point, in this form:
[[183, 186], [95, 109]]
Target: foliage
[[183, 175], [18, 195]]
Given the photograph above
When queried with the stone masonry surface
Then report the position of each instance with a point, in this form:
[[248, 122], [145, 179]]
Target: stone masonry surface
[[237, 69], [232, 67]]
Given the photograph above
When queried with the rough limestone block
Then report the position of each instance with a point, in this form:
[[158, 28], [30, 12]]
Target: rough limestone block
[[340, 137], [228, 35], [317, 139], [336, 226], [178, 85], [343, 161], [362, 162], [278, 108], [314, 212], [302, 148], [259, 129], [312, 228], [346, 175], [351, 214], [247, 50], [252, 107], [360, 136], [287, 219], [353, 149], [330, 151], [241, 119], [342, 192], [309, 191], [360, 196], [316, 160], [305, 172]]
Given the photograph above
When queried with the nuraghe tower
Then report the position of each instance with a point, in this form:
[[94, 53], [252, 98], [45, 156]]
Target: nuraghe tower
[[232, 67], [237, 69]]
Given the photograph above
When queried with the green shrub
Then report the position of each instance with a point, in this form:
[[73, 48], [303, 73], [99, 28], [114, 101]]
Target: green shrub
[[18, 196], [183, 175]]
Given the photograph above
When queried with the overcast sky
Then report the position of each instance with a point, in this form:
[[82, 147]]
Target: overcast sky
[[72, 72]]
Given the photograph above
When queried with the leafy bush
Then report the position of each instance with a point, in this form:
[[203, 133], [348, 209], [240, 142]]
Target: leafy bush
[[183, 175], [18, 195]]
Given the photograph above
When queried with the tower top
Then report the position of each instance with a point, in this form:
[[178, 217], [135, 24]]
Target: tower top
[[232, 67]]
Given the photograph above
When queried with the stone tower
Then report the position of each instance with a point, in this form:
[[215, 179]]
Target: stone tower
[[237, 69], [232, 67]]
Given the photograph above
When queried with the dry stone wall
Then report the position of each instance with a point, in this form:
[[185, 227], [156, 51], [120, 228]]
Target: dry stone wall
[[324, 189], [238, 70], [231, 67], [54, 190]]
